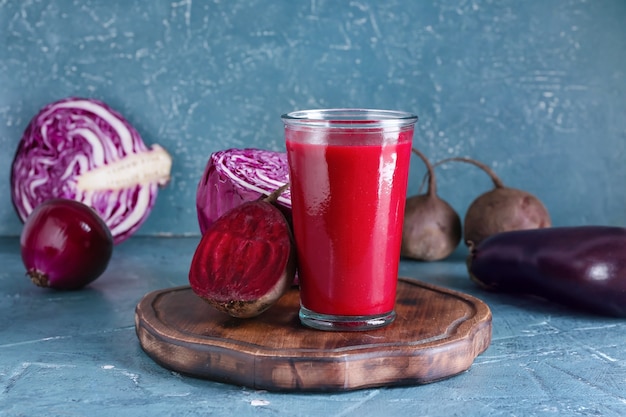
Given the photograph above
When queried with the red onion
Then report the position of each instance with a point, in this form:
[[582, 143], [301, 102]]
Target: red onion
[[83, 150], [235, 176], [65, 245]]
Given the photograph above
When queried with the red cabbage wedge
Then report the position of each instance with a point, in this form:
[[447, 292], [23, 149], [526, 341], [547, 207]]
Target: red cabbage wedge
[[83, 150], [235, 176]]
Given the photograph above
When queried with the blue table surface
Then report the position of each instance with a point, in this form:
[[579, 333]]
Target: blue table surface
[[77, 354]]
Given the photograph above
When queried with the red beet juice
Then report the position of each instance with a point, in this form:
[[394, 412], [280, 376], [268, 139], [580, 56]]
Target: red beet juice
[[348, 190]]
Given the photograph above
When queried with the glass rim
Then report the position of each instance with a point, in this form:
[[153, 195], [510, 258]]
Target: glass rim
[[349, 117]]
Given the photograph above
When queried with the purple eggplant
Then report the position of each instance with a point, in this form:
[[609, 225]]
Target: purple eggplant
[[582, 267]]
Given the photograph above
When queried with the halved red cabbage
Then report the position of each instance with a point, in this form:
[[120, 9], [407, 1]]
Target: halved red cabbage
[[234, 176], [81, 149]]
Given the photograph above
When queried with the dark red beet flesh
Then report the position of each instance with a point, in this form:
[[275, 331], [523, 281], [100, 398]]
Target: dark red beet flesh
[[245, 261], [583, 267]]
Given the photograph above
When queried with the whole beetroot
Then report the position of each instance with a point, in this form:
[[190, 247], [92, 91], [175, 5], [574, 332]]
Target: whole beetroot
[[245, 260], [432, 228], [501, 209]]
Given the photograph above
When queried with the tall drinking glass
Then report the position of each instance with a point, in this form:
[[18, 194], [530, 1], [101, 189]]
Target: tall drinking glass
[[348, 171]]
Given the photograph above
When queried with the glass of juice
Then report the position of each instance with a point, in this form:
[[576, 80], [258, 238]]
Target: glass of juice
[[348, 171]]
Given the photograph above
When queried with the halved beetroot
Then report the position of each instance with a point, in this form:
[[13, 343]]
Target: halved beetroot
[[245, 261]]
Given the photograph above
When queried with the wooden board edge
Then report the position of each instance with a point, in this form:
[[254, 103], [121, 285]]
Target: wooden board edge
[[356, 371]]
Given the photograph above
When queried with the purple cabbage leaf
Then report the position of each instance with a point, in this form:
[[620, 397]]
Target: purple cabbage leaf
[[82, 149], [235, 176]]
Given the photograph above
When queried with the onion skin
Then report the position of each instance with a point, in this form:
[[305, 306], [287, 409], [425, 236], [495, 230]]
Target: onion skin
[[583, 267], [65, 245]]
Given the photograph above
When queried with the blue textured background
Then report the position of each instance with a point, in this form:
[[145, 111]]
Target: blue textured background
[[536, 89]]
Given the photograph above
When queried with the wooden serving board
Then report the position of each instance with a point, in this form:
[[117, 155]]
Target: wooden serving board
[[437, 333]]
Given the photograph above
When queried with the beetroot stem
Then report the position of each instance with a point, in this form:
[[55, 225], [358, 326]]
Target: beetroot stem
[[271, 198], [432, 183], [497, 182]]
